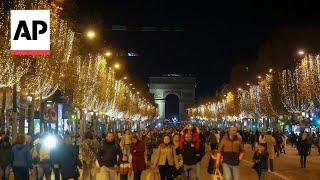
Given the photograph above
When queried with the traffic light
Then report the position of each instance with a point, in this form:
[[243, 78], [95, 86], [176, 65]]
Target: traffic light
[[73, 116], [283, 122]]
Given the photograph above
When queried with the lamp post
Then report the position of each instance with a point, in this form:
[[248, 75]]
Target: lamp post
[[108, 54], [117, 66], [91, 35]]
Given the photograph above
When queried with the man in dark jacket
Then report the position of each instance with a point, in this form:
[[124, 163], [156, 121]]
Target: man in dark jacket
[[232, 150], [5, 152], [68, 159], [108, 154], [189, 156]]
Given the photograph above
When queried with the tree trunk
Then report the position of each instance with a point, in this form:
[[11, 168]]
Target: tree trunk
[[94, 121], [42, 124], [31, 117], [3, 109], [22, 116], [14, 111], [81, 124]]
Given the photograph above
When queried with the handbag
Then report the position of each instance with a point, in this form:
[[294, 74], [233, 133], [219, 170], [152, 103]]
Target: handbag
[[217, 175]]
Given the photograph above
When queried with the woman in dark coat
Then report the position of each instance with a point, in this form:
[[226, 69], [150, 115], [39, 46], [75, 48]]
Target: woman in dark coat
[[5, 152], [137, 150], [69, 160], [303, 149]]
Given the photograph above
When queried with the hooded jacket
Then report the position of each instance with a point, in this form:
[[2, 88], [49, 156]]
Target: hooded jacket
[[20, 156]]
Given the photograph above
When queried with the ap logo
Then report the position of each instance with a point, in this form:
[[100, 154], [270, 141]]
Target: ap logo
[[30, 32]]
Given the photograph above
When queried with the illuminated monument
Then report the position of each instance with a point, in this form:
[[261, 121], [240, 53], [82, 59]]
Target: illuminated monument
[[181, 86]]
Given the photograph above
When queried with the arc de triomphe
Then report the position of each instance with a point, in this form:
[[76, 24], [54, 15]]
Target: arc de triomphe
[[181, 86]]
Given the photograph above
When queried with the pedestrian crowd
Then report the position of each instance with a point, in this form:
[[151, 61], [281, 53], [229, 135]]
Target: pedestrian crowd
[[172, 152]]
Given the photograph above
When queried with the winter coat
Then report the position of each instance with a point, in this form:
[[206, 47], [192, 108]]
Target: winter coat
[[20, 156], [271, 142], [55, 153], [231, 149], [69, 161], [262, 139], [166, 153], [260, 160], [189, 153], [125, 140], [303, 146], [137, 151], [5, 152], [108, 154]]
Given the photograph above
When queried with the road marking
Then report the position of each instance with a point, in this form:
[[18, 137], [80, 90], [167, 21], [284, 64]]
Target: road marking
[[275, 173]]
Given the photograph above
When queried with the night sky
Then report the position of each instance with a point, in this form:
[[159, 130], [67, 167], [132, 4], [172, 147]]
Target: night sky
[[213, 35]]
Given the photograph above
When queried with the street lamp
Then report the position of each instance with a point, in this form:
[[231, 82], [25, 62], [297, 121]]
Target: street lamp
[[117, 66], [91, 34], [108, 54], [301, 52], [259, 77], [125, 78], [248, 84]]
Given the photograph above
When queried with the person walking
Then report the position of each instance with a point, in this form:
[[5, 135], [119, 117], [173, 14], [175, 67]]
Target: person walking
[[109, 153], [137, 150], [260, 159], [232, 150], [126, 142], [270, 142], [54, 157], [213, 141], [5, 152], [149, 140], [253, 140], [41, 157], [284, 143], [303, 148], [278, 139], [176, 143], [21, 160], [69, 159], [88, 154], [262, 139], [189, 156], [166, 159], [317, 143]]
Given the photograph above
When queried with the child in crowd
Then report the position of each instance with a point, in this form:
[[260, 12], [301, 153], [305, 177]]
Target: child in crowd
[[124, 168], [260, 159], [212, 162]]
